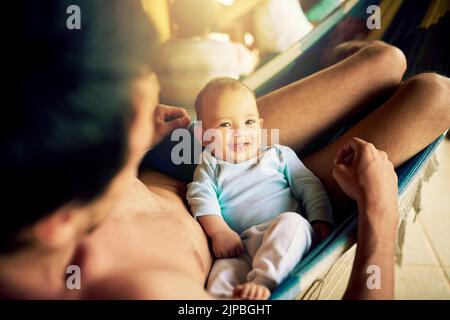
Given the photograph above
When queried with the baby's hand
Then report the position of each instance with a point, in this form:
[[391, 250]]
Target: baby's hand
[[321, 229], [227, 244]]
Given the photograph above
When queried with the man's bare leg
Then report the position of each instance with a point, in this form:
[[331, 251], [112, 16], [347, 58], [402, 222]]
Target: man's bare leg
[[411, 119], [307, 109]]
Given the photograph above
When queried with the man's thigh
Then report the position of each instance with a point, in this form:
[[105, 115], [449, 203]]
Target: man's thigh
[[307, 111], [410, 120]]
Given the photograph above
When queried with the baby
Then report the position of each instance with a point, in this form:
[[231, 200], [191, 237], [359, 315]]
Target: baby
[[248, 198]]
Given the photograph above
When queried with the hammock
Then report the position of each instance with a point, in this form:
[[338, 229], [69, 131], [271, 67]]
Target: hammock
[[342, 21]]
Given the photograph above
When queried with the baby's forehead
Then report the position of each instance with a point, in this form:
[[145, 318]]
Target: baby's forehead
[[219, 100], [230, 103], [215, 95], [228, 90]]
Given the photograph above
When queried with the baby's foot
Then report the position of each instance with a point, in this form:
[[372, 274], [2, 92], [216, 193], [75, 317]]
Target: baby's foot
[[251, 291]]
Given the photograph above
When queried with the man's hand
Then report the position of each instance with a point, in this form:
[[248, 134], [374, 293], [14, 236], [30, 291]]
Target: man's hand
[[168, 119], [365, 173], [321, 229], [227, 244]]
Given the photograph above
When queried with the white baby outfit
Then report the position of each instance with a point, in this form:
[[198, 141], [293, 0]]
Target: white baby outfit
[[260, 199]]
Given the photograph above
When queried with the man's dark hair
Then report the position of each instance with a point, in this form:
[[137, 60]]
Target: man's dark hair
[[66, 113]]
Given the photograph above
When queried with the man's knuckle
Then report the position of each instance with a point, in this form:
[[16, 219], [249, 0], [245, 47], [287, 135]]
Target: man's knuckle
[[366, 147]]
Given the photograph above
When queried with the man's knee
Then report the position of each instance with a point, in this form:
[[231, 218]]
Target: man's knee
[[431, 83], [388, 57], [435, 90]]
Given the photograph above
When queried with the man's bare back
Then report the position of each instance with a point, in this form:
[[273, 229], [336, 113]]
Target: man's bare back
[[150, 230]]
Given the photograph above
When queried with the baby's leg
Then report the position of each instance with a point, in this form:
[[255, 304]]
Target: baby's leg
[[225, 274], [284, 243]]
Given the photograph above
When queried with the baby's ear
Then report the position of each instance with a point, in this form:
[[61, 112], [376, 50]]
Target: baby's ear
[[261, 121]]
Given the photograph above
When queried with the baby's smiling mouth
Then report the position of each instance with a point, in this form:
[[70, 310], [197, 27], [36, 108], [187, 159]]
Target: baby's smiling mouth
[[240, 145]]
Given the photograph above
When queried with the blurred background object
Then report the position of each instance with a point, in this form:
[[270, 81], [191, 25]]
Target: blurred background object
[[204, 39], [158, 12], [195, 54], [278, 24]]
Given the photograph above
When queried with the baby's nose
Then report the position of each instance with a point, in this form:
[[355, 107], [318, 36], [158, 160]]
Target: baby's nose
[[240, 136], [239, 131]]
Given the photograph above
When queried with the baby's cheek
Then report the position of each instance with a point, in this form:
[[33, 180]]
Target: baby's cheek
[[256, 135], [220, 143], [227, 137]]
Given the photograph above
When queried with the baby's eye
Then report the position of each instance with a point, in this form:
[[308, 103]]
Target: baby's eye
[[225, 125], [251, 121]]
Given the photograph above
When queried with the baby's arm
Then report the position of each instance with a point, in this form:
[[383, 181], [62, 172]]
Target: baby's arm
[[308, 189], [226, 242], [202, 198]]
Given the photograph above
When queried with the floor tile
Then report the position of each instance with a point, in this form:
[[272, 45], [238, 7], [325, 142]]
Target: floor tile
[[421, 282], [435, 216], [417, 249], [447, 272]]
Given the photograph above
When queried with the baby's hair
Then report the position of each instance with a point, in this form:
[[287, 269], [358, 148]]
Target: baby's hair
[[219, 84]]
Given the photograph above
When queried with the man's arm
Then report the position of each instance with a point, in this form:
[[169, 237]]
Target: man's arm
[[366, 175], [374, 256]]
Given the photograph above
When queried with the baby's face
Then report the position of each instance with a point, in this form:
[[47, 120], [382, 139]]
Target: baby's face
[[233, 114]]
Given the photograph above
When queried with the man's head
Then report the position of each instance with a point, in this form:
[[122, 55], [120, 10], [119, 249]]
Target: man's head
[[193, 18], [77, 120], [230, 119]]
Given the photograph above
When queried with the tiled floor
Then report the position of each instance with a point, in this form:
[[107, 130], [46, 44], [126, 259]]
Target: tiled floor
[[425, 273]]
